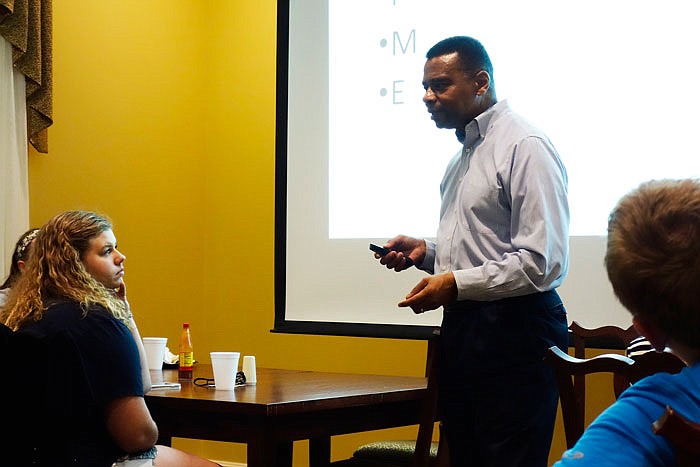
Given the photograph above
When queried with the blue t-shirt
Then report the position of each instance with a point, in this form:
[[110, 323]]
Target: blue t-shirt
[[622, 435], [85, 362]]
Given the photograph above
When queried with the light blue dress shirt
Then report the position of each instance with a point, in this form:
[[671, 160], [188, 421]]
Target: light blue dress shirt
[[504, 220]]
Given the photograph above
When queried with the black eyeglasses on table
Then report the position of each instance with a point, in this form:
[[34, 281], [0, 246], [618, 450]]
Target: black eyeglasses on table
[[209, 382]]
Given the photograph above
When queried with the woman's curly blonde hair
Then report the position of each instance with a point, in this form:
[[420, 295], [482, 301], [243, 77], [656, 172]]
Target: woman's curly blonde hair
[[55, 272]]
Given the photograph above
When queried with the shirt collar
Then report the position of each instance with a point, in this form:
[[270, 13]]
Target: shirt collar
[[476, 128]]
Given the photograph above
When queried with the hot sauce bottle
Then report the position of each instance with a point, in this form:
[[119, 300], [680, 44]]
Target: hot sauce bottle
[[186, 353]]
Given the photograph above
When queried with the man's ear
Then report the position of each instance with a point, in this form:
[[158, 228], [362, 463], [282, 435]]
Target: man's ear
[[483, 82], [651, 331]]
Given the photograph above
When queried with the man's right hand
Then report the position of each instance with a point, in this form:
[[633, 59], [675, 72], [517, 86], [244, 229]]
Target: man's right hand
[[402, 247]]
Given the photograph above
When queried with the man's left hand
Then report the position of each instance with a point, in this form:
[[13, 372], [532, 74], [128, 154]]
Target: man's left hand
[[431, 293]]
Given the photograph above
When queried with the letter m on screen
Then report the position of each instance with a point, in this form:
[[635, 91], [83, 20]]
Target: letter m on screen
[[410, 41]]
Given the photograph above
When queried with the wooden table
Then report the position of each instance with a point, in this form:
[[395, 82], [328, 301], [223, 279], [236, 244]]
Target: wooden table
[[285, 406]]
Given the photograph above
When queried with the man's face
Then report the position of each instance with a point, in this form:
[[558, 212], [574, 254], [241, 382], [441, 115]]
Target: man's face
[[450, 94]]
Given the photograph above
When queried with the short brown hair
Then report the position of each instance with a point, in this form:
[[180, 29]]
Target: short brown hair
[[653, 256]]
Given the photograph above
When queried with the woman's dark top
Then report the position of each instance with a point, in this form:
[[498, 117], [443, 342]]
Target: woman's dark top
[[78, 364]]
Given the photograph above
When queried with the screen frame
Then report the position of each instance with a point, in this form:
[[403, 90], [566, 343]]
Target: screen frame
[[281, 323], [602, 300]]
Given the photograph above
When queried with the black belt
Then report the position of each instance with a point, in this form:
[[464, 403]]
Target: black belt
[[470, 305]]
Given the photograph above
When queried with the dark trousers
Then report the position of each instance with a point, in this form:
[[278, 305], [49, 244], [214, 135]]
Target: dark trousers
[[498, 398]]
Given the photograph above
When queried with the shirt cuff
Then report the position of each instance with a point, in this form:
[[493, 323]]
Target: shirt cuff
[[468, 284], [428, 263]]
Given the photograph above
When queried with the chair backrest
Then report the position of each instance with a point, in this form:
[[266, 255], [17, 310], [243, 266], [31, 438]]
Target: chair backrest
[[418, 453], [683, 434], [612, 337], [567, 368], [609, 337], [38, 396], [429, 412], [23, 393]]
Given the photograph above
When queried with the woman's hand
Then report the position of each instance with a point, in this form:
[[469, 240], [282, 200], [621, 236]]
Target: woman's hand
[[120, 292]]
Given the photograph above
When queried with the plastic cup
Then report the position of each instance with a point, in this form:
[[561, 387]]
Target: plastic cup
[[249, 369], [155, 349], [225, 366]]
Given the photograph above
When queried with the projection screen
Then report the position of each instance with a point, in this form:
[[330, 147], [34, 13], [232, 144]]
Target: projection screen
[[358, 160]]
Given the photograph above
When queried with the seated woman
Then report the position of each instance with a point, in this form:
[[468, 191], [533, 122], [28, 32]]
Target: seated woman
[[71, 302], [19, 258], [653, 262]]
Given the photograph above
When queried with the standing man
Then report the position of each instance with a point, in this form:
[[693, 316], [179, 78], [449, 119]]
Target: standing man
[[501, 250]]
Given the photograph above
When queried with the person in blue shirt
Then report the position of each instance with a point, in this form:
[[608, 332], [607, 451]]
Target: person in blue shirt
[[653, 262]]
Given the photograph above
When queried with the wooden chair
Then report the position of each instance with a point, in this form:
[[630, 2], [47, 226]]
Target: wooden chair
[[613, 337], [36, 405], [567, 368], [422, 452], [608, 337], [683, 435]]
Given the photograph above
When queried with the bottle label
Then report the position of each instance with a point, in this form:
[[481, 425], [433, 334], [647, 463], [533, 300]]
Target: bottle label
[[186, 359]]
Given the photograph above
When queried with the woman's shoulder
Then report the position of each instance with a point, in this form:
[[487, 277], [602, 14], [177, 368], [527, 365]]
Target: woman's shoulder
[[66, 325], [68, 315]]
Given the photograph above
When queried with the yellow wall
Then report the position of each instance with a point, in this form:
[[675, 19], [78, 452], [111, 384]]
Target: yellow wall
[[164, 120]]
